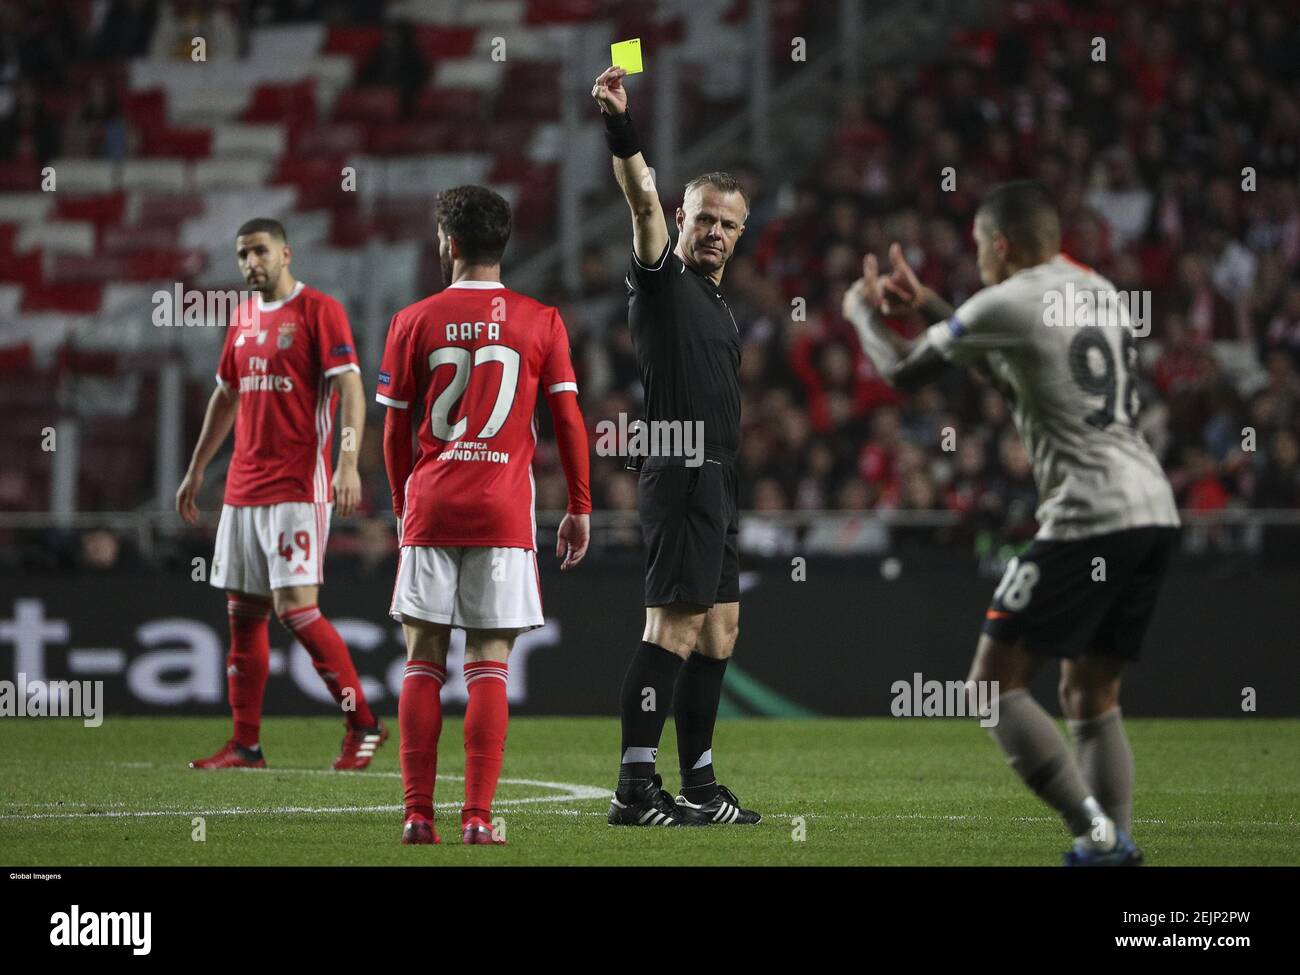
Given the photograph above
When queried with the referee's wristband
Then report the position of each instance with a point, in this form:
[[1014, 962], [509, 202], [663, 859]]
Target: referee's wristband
[[621, 135]]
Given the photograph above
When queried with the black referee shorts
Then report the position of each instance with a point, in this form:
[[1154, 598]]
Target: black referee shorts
[[690, 525]]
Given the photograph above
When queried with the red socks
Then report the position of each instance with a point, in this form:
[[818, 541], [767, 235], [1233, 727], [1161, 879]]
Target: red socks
[[331, 659], [419, 720], [486, 718], [247, 664]]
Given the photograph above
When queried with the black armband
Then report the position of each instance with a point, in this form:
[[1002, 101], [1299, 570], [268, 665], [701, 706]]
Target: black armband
[[621, 135]]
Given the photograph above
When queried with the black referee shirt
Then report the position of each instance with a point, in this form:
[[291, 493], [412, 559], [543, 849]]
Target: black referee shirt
[[687, 349]]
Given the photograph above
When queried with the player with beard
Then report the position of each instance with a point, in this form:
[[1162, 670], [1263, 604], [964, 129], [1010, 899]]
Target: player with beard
[[288, 359]]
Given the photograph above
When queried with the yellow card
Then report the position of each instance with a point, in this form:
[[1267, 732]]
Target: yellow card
[[627, 55]]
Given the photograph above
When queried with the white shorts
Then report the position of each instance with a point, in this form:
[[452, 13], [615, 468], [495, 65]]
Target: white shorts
[[473, 588], [271, 546]]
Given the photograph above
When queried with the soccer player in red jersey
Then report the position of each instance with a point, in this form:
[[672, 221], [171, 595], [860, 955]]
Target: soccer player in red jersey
[[287, 360], [461, 374]]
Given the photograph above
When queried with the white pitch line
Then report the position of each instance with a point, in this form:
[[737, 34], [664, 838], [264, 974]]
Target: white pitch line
[[571, 792]]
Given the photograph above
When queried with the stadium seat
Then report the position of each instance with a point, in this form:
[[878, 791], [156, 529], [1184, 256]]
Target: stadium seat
[[177, 143], [373, 104], [131, 239], [25, 207], [238, 139], [19, 175], [354, 42], [231, 173], [25, 269], [84, 175], [450, 104], [63, 269], [469, 73], [166, 175], [103, 210], [58, 237], [439, 42], [329, 139], [75, 298], [168, 209], [295, 102]]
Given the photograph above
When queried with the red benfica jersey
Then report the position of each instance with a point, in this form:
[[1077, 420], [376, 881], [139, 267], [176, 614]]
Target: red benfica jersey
[[471, 360], [279, 356]]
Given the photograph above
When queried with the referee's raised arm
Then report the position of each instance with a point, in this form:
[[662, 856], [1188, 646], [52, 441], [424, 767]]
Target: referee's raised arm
[[649, 228]]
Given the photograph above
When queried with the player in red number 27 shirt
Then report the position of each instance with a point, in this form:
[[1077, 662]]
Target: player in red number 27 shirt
[[287, 358], [460, 377]]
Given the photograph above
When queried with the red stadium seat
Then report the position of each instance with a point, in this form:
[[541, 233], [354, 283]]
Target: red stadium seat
[[24, 269], [357, 43], [164, 264], [405, 138], [19, 175], [283, 103], [371, 104], [439, 43], [77, 299], [146, 109], [450, 103], [564, 11], [99, 208], [176, 143]]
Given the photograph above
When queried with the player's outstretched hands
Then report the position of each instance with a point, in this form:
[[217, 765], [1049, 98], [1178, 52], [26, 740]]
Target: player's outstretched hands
[[187, 497], [347, 490], [902, 288], [572, 539], [866, 290], [609, 92]]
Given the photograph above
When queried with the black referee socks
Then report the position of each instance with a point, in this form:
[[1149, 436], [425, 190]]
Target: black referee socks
[[699, 689], [644, 702]]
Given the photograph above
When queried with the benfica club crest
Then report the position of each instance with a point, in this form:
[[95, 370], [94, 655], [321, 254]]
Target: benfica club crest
[[286, 335]]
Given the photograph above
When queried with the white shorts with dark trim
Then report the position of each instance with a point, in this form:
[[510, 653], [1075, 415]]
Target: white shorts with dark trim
[[271, 546], [476, 588]]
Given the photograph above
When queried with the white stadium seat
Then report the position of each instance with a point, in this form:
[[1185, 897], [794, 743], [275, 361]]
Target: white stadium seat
[[24, 207], [84, 175], [235, 138], [163, 175], [58, 237]]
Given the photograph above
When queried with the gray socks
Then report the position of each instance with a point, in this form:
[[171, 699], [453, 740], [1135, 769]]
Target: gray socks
[[1106, 762], [1036, 750]]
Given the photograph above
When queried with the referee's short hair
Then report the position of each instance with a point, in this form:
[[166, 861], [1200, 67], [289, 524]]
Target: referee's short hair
[[478, 218], [719, 181], [263, 225], [1025, 213]]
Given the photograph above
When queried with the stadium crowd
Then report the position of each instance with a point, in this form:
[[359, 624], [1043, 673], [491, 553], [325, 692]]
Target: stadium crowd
[[1147, 152]]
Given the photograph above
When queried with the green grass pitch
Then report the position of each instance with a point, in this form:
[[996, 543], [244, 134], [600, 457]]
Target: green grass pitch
[[869, 791]]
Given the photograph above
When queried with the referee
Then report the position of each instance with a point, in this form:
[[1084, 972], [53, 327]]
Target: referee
[[688, 353]]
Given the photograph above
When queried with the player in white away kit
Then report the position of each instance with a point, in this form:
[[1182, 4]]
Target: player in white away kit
[[1086, 587], [288, 359], [460, 377]]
